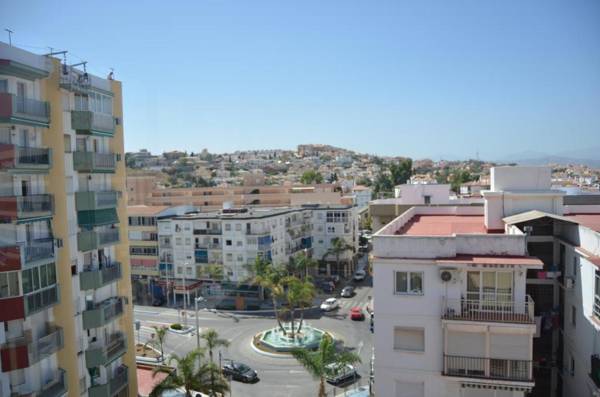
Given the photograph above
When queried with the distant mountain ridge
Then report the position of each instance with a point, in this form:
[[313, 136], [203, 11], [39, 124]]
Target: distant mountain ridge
[[587, 156]]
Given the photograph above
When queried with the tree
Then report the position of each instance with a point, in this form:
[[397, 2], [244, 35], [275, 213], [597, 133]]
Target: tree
[[383, 183], [318, 363], [401, 171], [337, 248], [212, 340], [158, 339], [310, 177], [300, 265], [302, 293], [191, 376], [270, 278]]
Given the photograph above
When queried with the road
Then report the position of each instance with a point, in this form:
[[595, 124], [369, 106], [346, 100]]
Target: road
[[279, 377]]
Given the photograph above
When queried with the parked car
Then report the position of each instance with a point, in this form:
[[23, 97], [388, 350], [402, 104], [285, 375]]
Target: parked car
[[158, 301], [326, 286], [340, 373], [359, 275], [329, 304], [357, 314], [347, 292], [239, 371]]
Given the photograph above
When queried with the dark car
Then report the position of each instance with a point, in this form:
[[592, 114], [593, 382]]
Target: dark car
[[158, 301], [347, 292], [241, 372]]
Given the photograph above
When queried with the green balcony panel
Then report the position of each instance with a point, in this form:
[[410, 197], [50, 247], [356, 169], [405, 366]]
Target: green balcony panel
[[88, 122], [100, 314], [116, 382], [24, 111], [97, 278], [97, 217], [92, 162], [103, 354], [93, 239], [85, 201]]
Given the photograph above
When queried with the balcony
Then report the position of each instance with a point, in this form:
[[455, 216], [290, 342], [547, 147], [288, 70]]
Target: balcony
[[488, 368], [89, 122], [41, 299], [207, 231], [103, 354], [595, 370], [100, 314], [93, 239], [96, 278], [88, 219], [23, 352], [58, 387], [92, 162], [22, 158], [88, 201], [116, 382], [16, 257], [18, 208], [489, 310], [24, 111]]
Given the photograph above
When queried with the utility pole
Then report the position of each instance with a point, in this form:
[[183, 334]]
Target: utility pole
[[185, 294], [10, 32]]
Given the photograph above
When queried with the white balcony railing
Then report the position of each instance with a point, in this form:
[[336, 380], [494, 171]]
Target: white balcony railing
[[489, 309]]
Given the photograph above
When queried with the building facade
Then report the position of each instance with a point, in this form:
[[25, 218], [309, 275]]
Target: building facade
[[496, 300], [66, 313]]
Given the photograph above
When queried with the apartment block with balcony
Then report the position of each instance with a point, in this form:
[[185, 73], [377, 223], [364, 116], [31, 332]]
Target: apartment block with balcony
[[61, 138]]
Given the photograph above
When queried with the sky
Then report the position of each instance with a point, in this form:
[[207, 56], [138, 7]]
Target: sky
[[450, 79]]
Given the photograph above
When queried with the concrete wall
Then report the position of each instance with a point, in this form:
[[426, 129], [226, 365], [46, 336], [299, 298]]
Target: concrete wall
[[520, 178]]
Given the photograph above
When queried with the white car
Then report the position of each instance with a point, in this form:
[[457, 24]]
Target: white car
[[337, 373], [360, 275], [329, 304]]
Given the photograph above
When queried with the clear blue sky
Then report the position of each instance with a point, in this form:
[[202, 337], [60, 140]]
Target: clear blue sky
[[418, 78]]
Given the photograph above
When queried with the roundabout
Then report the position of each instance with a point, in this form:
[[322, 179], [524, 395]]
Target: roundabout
[[281, 340]]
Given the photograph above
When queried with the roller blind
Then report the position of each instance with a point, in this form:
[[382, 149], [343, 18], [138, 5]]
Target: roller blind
[[412, 339]]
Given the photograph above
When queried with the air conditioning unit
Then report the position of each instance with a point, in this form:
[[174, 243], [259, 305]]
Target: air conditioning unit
[[448, 275], [569, 282]]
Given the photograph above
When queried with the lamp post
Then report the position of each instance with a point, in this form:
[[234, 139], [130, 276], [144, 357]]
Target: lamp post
[[196, 300], [186, 264]]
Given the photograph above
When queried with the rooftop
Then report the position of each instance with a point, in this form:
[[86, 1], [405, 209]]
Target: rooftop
[[145, 210], [591, 221], [443, 225]]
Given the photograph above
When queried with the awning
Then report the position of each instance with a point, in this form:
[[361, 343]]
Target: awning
[[533, 215], [493, 260]]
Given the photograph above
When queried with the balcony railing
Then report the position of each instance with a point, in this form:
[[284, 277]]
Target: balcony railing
[[92, 239], [92, 278], [41, 299], [91, 218], [85, 201], [24, 158], [207, 231], [489, 310], [58, 387], [103, 354], [116, 382], [488, 368], [100, 314], [595, 370], [16, 257], [20, 110], [25, 351], [94, 162], [89, 122], [23, 207]]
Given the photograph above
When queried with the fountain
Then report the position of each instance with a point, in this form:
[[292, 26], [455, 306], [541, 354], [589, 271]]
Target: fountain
[[275, 341]]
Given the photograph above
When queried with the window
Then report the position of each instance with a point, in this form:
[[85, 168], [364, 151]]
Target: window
[[572, 366], [409, 339], [573, 316], [3, 85], [178, 241], [9, 284], [409, 283], [227, 227], [427, 200], [68, 143], [239, 243], [575, 265], [238, 227], [597, 294], [152, 251], [228, 242], [240, 258], [330, 229], [38, 277], [489, 286], [229, 257]]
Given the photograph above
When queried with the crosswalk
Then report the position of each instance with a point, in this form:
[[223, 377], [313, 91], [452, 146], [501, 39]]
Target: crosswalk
[[348, 303]]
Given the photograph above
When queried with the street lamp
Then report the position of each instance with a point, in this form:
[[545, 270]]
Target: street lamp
[[196, 300], [186, 264]]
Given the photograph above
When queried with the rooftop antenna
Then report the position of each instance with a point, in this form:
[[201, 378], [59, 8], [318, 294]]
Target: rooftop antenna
[[111, 75], [10, 32], [52, 53]]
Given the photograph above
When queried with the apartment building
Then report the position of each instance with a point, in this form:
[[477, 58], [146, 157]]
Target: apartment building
[[66, 322], [492, 301], [213, 198], [234, 238], [139, 188], [143, 245]]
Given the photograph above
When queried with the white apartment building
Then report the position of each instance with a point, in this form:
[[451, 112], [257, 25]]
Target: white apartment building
[[234, 238], [493, 301]]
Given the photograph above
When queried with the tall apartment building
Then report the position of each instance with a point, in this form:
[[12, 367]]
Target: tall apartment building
[[66, 325], [492, 301], [234, 238]]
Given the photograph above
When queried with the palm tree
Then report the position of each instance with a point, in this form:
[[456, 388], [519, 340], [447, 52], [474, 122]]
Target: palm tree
[[270, 277], [306, 294], [190, 377], [337, 248], [317, 362], [211, 337], [158, 340], [300, 264]]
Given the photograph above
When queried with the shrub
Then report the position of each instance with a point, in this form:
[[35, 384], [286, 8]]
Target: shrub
[[176, 327]]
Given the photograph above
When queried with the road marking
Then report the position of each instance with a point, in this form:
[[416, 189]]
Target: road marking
[[145, 311], [360, 346]]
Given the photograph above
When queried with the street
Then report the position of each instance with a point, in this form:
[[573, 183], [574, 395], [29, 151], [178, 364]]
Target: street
[[278, 376]]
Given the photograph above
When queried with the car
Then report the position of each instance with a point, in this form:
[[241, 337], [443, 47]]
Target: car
[[239, 371], [347, 292], [359, 275], [329, 304], [326, 286], [158, 301], [357, 314], [339, 373]]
